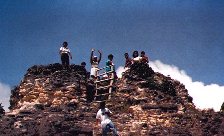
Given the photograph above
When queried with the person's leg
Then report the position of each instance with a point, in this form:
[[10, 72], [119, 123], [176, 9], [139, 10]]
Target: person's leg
[[63, 59], [112, 128], [67, 60], [92, 73], [105, 130], [109, 127]]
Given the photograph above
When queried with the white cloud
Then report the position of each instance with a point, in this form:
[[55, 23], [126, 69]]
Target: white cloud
[[204, 96], [5, 92], [119, 71]]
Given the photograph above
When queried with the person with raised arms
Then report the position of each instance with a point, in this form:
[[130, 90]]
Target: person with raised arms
[[94, 61]]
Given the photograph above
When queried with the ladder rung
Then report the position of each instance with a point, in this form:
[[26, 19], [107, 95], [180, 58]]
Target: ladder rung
[[100, 69], [105, 73], [104, 68], [103, 94], [104, 80], [104, 87], [100, 101]]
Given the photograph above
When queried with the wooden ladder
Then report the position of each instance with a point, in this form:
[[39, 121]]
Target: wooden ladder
[[98, 81]]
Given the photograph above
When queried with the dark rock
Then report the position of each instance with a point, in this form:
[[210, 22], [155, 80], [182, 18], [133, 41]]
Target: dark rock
[[74, 131], [58, 84], [139, 71], [65, 134], [72, 104], [2, 111], [56, 109], [222, 107], [68, 117], [39, 106], [57, 124], [163, 107], [90, 92], [144, 125], [14, 98], [190, 99], [25, 112]]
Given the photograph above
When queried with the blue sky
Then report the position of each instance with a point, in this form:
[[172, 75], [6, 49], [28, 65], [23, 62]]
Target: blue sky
[[185, 33]]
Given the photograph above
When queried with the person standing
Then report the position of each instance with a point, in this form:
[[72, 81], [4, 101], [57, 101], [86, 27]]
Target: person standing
[[65, 54], [109, 63], [107, 125], [94, 61]]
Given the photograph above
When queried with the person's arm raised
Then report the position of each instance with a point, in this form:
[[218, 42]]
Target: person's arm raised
[[91, 56], [100, 56]]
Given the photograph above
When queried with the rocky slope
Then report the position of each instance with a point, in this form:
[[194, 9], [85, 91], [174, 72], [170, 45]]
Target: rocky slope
[[2, 111], [51, 100]]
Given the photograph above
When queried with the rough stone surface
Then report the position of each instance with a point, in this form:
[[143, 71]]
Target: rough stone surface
[[2, 111], [51, 100], [222, 107]]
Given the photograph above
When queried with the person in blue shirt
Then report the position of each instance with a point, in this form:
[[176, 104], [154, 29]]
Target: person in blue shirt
[[109, 63]]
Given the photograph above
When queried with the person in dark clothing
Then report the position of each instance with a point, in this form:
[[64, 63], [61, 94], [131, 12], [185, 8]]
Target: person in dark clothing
[[83, 64], [109, 63], [65, 54]]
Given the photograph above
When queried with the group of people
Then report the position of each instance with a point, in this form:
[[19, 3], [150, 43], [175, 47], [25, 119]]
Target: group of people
[[136, 58], [104, 113], [94, 60]]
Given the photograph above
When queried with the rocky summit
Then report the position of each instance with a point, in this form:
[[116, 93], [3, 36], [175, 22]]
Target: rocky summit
[[53, 100]]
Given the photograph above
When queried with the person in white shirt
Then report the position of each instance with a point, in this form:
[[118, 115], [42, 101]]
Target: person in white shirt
[[94, 63], [106, 124], [136, 58], [65, 54]]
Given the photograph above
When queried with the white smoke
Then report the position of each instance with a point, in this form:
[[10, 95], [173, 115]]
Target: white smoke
[[204, 96], [5, 95]]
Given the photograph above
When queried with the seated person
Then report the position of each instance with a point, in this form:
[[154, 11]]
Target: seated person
[[127, 61], [136, 57], [144, 59]]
